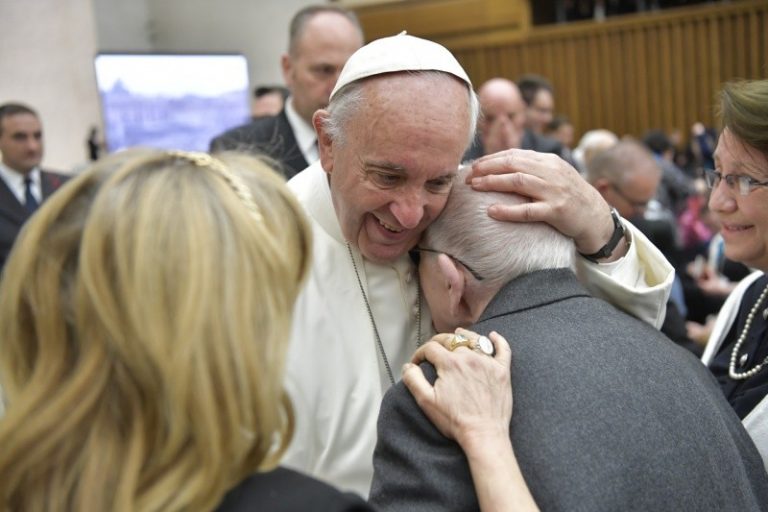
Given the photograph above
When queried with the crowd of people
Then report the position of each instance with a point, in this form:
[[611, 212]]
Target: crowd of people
[[187, 331]]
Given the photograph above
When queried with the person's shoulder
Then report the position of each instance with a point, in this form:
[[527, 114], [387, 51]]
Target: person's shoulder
[[258, 130], [54, 178], [285, 490]]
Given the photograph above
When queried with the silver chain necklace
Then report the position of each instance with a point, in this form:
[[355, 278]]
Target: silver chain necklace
[[379, 344], [735, 352]]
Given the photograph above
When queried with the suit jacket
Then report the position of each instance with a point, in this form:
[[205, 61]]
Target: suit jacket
[[608, 415], [284, 490], [530, 140], [13, 214], [271, 136]]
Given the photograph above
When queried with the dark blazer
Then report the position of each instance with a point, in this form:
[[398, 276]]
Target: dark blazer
[[608, 415], [13, 214], [284, 490], [271, 136], [530, 140]]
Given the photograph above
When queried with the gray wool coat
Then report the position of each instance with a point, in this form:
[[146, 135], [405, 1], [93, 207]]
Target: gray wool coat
[[609, 415]]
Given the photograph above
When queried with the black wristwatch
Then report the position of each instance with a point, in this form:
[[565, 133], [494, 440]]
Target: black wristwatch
[[607, 249]]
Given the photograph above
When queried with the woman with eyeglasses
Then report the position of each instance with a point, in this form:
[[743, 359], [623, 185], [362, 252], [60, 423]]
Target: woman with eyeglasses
[[737, 351]]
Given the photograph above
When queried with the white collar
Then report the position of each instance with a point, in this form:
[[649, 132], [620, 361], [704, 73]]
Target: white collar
[[15, 182], [303, 131]]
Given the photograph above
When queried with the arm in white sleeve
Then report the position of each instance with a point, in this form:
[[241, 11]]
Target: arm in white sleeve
[[639, 283]]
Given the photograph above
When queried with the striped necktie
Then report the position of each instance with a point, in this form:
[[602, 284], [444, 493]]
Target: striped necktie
[[29, 200]]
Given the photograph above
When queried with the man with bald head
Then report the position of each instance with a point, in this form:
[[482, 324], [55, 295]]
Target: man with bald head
[[322, 37], [390, 149], [503, 123]]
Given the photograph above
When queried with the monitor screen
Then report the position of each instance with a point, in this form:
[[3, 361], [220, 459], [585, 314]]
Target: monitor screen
[[171, 101]]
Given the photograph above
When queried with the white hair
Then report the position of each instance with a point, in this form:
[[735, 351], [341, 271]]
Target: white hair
[[497, 251], [591, 144], [350, 99]]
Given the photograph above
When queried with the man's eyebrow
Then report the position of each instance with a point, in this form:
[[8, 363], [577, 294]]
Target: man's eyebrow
[[386, 166]]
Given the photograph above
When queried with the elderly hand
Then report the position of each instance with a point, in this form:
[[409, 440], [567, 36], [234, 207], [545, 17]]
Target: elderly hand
[[559, 196], [471, 400]]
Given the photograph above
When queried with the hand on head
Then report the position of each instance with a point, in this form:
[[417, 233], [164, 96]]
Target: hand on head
[[472, 397], [559, 195]]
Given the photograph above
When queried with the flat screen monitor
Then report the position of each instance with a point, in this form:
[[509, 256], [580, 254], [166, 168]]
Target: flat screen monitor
[[171, 101]]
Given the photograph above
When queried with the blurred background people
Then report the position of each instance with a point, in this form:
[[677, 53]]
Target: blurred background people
[[502, 124], [95, 144], [322, 37], [268, 100], [538, 94], [628, 178], [590, 145], [145, 315], [23, 183]]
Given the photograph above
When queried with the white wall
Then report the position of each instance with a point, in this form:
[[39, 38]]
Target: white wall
[[47, 49], [46, 61], [256, 28]]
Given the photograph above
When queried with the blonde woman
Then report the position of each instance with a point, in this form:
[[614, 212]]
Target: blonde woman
[[144, 314]]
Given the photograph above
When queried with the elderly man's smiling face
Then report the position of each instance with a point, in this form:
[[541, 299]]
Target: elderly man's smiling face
[[391, 175]]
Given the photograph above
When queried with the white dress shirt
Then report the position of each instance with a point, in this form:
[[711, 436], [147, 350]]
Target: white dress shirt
[[305, 134], [15, 182]]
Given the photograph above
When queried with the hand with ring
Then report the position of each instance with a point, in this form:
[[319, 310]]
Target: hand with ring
[[473, 392], [482, 344], [471, 402]]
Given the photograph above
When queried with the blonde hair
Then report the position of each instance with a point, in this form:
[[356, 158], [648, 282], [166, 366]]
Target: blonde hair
[[145, 313]]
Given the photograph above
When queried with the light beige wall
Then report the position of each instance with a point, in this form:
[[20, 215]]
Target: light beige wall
[[46, 61], [256, 28], [47, 49]]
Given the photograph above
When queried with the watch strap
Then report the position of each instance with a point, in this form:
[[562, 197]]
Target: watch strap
[[610, 246]]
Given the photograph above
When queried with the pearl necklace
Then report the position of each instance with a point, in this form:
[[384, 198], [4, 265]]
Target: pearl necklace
[[379, 344], [735, 352]]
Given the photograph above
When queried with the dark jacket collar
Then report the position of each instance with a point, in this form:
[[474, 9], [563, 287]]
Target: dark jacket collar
[[534, 290]]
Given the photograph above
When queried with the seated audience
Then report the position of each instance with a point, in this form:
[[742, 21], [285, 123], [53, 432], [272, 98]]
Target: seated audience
[[539, 97], [503, 126], [675, 185], [609, 415], [144, 314], [590, 145], [628, 178]]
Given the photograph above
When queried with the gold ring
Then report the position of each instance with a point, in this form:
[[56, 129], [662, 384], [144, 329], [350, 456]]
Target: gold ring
[[459, 340]]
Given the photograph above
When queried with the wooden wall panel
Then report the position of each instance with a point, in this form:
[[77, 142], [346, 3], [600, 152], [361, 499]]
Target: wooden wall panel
[[630, 74]]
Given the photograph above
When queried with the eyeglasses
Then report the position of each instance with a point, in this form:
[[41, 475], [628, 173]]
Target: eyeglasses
[[637, 205], [746, 183], [454, 258]]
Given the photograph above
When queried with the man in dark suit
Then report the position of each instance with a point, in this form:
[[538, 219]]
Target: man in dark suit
[[23, 185], [322, 38], [608, 413], [503, 123]]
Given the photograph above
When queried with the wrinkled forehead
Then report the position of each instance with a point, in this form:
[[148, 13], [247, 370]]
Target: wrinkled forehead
[[737, 154]]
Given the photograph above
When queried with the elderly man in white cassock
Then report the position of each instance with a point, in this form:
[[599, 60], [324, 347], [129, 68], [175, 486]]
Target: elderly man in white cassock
[[391, 141]]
